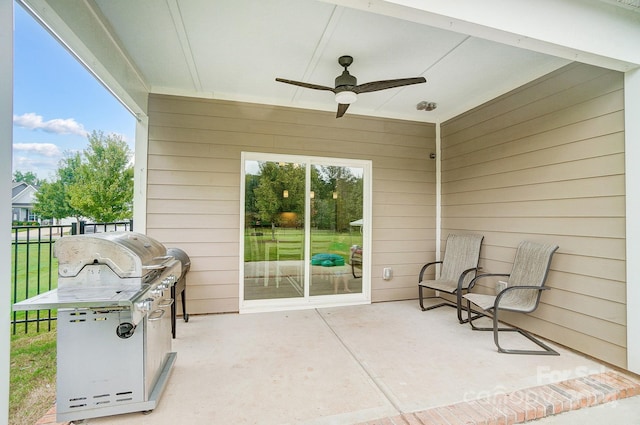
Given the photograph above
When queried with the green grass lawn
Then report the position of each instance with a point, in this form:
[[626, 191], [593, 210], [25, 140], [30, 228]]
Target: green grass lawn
[[322, 241], [33, 353], [34, 272], [33, 376]]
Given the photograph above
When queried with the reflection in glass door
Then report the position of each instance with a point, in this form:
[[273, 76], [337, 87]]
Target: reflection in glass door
[[304, 231], [336, 223], [274, 230]]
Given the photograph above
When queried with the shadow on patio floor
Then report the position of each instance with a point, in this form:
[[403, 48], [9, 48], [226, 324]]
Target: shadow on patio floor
[[385, 363]]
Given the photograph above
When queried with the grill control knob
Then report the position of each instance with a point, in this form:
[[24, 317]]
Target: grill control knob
[[156, 293], [125, 330]]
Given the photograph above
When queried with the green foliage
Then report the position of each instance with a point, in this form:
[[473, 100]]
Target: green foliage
[[97, 184], [29, 177], [337, 200]]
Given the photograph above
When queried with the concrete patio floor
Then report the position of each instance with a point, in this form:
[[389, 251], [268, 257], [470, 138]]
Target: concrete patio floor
[[349, 365]]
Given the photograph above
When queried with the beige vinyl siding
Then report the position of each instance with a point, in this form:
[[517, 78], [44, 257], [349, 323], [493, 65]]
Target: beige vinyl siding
[[194, 186], [545, 162]]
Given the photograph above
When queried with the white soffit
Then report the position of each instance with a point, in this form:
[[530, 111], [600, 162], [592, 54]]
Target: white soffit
[[234, 49]]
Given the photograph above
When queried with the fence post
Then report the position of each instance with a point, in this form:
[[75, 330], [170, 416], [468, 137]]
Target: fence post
[[82, 225], [131, 225], [74, 228]]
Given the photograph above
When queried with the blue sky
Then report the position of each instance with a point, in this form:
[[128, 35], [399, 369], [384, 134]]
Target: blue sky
[[56, 102]]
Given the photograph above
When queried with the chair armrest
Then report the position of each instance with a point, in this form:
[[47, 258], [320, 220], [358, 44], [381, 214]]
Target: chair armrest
[[481, 276], [510, 288], [425, 268], [464, 274]]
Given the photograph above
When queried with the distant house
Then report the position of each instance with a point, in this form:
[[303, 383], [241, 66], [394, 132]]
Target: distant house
[[23, 196]]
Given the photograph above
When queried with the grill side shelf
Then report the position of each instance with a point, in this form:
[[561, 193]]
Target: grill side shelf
[[55, 300]]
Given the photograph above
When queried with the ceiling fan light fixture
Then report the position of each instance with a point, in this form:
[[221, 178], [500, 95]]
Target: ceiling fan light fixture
[[346, 97]]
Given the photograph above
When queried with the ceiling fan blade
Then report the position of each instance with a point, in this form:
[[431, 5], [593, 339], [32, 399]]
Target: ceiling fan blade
[[388, 84], [342, 108], [305, 85]]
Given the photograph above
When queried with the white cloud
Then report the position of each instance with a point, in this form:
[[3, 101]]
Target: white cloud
[[58, 126], [44, 149]]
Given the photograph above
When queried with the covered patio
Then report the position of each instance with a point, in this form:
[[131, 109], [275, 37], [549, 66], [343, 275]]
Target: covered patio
[[535, 137], [385, 363]]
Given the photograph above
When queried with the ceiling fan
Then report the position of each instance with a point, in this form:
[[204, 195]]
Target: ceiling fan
[[347, 89]]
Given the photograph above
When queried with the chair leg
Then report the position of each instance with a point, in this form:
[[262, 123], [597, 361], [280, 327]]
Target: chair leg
[[421, 299], [546, 350]]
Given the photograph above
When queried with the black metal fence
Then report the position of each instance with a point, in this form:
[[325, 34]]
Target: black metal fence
[[34, 269]]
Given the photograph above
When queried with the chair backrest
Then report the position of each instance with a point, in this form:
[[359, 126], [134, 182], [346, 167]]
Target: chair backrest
[[462, 252], [530, 268]]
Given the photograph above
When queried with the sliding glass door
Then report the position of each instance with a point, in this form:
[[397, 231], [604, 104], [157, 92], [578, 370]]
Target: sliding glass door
[[305, 229]]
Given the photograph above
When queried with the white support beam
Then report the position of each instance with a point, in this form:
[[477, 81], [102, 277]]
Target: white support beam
[[632, 159], [140, 175], [6, 139], [578, 30]]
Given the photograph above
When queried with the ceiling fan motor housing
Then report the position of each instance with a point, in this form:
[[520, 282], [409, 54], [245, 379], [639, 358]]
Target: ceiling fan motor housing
[[345, 81]]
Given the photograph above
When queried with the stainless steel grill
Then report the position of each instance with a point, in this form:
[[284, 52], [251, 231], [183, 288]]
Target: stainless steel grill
[[114, 331]]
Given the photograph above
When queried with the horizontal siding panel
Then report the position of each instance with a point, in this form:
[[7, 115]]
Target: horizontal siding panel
[[259, 112], [557, 81], [579, 169], [585, 324], [594, 227], [400, 199], [585, 343], [175, 221], [417, 188], [580, 207], [192, 234], [607, 145], [596, 308], [493, 149], [161, 206], [576, 103], [203, 278], [383, 235], [401, 223], [223, 143], [193, 178], [579, 188], [218, 305], [181, 163], [198, 193], [301, 132]]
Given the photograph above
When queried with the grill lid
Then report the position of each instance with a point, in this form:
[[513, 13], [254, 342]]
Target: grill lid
[[128, 254]]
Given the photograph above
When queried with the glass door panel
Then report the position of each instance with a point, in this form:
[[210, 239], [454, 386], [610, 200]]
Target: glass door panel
[[274, 236], [336, 218]]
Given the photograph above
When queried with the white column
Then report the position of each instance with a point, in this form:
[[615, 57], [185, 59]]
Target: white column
[[632, 170], [438, 159], [6, 140], [140, 175]]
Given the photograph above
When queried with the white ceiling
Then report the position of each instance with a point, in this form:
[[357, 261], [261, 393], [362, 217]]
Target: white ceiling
[[234, 49]]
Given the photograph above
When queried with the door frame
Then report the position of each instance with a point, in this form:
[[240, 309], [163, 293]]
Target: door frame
[[308, 301]]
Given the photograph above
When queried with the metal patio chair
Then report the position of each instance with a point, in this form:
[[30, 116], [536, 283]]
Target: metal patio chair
[[459, 267], [521, 295]]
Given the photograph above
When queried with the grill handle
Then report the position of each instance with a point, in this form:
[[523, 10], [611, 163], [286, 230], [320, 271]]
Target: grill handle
[[156, 315], [165, 259], [165, 303]]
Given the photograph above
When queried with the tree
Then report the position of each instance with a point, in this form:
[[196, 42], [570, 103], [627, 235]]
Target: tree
[[103, 185], [97, 184], [53, 199], [29, 178]]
